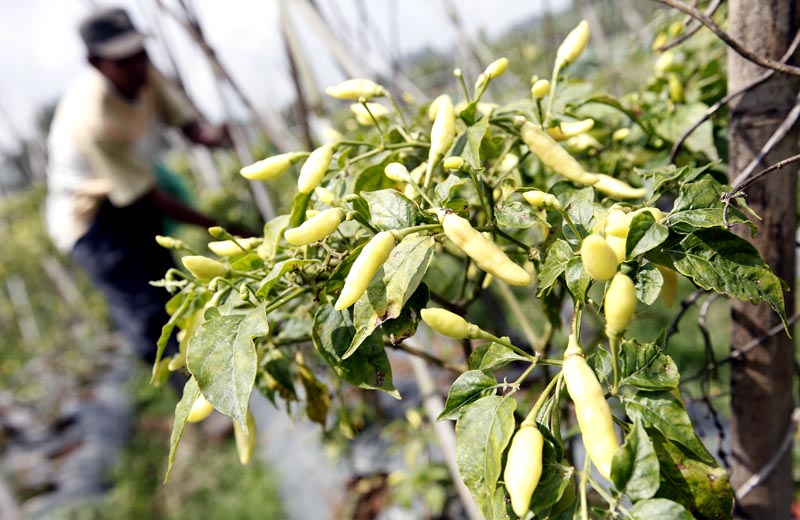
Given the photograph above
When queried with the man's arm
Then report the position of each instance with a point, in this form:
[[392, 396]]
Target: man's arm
[[205, 134]]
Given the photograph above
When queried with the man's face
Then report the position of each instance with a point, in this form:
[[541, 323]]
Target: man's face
[[128, 75]]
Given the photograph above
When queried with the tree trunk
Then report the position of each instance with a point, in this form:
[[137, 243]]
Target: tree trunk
[[761, 381]]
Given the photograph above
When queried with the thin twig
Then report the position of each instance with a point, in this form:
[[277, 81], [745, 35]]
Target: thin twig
[[773, 462], [405, 347], [721, 453], [702, 323], [730, 96], [685, 304], [690, 32], [754, 178], [744, 350], [776, 137], [731, 42]]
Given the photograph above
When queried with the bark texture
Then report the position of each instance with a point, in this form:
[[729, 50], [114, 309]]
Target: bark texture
[[761, 382]]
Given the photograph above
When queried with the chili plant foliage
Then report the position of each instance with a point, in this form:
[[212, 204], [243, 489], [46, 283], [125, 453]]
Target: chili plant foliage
[[564, 194]]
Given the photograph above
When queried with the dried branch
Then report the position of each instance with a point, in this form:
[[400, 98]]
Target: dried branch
[[775, 138], [702, 323], [685, 304], [737, 354], [773, 462], [430, 358], [731, 42], [721, 453], [690, 32], [730, 96]]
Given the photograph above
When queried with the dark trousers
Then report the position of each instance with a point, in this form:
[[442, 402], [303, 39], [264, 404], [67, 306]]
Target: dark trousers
[[121, 257]]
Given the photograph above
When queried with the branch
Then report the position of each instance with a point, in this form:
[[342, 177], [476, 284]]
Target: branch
[[730, 96], [755, 342], [430, 358], [702, 323], [690, 32], [775, 138], [734, 44], [776, 458], [685, 304]]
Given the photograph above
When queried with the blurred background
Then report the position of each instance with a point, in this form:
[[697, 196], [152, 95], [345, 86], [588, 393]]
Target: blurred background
[[82, 434]]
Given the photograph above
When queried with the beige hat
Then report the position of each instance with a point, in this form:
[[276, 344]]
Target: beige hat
[[109, 33]]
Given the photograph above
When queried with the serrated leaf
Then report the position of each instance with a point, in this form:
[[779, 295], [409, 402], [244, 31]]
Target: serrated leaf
[[702, 488], [635, 469], [190, 394], [644, 234], [555, 263], [648, 282], [468, 387], [222, 358], [482, 433], [371, 176], [493, 356], [579, 205], [390, 209], [578, 280], [277, 272], [665, 412], [660, 508], [647, 367], [516, 215], [391, 287], [367, 368], [718, 260]]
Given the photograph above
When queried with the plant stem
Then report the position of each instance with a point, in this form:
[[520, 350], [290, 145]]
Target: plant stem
[[399, 112], [582, 485], [537, 343], [552, 97], [569, 222], [613, 342], [531, 418], [286, 297]]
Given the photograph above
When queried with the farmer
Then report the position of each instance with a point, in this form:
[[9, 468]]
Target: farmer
[[103, 205]]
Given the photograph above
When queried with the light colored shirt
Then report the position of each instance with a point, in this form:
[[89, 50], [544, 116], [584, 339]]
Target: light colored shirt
[[102, 146]]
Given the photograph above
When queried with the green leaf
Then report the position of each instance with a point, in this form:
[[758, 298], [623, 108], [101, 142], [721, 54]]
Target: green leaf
[[444, 188], [578, 279], [482, 433], [647, 367], [405, 325], [555, 263], [367, 368], [392, 286], [685, 115], [579, 205], [555, 478], [190, 394], [299, 206], [493, 356], [660, 508], [644, 234], [318, 399], [248, 262], [390, 209], [702, 488], [718, 260], [648, 282], [665, 412], [273, 231], [635, 468], [475, 135], [277, 272], [222, 358], [371, 177], [605, 99], [467, 388], [516, 215], [699, 206]]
